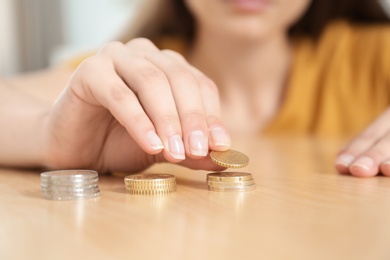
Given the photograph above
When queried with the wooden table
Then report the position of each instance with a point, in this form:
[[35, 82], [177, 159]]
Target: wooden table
[[301, 209]]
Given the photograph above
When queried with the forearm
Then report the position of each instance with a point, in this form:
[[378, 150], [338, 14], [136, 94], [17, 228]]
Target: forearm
[[22, 122]]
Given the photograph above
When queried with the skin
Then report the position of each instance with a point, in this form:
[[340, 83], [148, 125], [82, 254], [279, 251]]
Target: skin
[[132, 105]]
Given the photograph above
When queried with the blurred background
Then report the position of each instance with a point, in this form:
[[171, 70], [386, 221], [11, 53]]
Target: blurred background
[[38, 33]]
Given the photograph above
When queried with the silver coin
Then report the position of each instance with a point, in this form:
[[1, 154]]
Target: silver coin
[[69, 183], [71, 197], [70, 189], [75, 192], [71, 175]]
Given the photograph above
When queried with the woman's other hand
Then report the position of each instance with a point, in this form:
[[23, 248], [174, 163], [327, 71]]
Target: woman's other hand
[[131, 105], [369, 153]]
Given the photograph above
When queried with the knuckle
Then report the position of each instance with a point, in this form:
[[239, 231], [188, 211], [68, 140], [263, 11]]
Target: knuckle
[[193, 118], [208, 84], [88, 69], [194, 114], [150, 74], [168, 123], [117, 93], [184, 74], [173, 54], [170, 120], [205, 81], [141, 42], [111, 47], [212, 120]]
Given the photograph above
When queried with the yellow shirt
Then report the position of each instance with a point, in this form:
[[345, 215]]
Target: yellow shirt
[[338, 84]]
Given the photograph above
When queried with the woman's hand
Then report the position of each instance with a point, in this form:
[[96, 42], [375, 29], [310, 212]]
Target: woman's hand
[[131, 105], [369, 153]]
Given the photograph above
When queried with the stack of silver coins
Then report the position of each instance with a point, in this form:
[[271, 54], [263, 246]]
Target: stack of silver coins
[[70, 185]]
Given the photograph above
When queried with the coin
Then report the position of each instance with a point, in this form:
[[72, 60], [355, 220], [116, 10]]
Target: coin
[[71, 197], [230, 184], [150, 192], [157, 186], [230, 181], [150, 184], [69, 184], [229, 159], [60, 190], [153, 177], [247, 188], [69, 175], [229, 176]]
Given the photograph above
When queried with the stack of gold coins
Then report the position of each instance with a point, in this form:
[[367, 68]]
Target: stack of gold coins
[[230, 181], [70, 184], [150, 184]]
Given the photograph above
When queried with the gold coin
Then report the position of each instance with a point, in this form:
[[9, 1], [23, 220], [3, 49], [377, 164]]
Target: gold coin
[[238, 189], [229, 176], [150, 184], [135, 187], [150, 192], [150, 177], [230, 184], [229, 159]]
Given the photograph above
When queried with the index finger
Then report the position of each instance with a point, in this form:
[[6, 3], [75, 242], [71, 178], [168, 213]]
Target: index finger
[[219, 136]]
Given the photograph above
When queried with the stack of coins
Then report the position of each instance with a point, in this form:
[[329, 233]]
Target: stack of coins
[[230, 181], [150, 184], [69, 184]]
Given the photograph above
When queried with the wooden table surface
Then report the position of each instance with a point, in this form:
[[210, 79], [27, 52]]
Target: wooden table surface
[[301, 209]]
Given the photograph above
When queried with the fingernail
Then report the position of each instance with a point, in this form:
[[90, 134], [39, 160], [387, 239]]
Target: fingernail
[[386, 163], [176, 147], [198, 143], [345, 160], [219, 137], [363, 162], [154, 141]]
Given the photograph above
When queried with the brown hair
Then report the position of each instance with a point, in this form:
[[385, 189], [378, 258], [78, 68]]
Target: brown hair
[[171, 17], [321, 12]]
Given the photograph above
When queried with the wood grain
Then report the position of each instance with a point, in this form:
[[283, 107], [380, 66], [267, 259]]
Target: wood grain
[[301, 209]]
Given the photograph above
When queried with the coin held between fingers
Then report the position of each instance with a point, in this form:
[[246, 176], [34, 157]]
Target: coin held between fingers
[[229, 159]]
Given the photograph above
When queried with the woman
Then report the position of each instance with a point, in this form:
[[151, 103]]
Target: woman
[[132, 104]]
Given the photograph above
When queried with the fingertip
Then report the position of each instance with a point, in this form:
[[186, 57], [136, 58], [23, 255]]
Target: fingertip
[[364, 167], [342, 163], [172, 157], [197, 144], [385, 168], [342, 169], [363, 171], [174, 149], [154, 143], [219, 139]]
